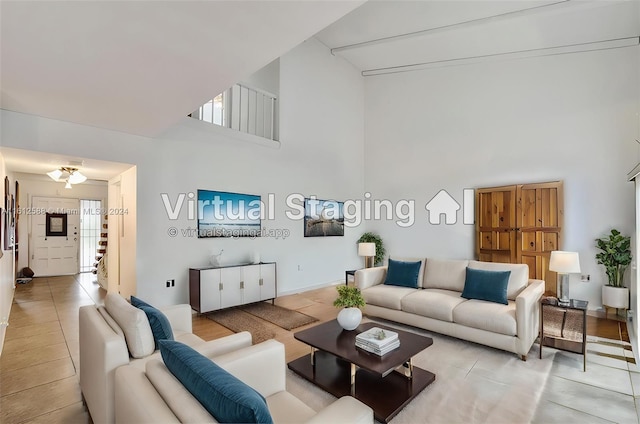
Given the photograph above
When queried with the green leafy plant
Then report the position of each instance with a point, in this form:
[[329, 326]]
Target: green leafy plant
[[615, 255], [374, 238], [349, 297]]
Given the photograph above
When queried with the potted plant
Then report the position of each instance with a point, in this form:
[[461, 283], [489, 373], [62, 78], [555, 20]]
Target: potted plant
[[351, 300], [616, 256], [374, 238]]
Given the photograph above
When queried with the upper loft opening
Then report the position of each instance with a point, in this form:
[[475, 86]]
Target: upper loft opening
[[250, 106]]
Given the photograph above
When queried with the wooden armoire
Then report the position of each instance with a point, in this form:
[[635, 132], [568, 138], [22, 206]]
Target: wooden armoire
[[521, 224]]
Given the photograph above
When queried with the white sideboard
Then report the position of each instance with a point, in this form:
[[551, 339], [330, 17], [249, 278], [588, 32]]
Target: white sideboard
[[213, 288]]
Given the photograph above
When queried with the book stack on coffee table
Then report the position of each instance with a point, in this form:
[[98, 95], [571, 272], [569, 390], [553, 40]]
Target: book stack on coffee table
[[378, 341]]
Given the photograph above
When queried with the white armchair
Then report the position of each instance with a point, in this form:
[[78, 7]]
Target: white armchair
[[147, 397], [103, 349]]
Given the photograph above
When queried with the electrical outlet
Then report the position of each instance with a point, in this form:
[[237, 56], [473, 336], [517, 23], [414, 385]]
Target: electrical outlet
[[173, 283], [168, 283], [299, 268], [585, 277]]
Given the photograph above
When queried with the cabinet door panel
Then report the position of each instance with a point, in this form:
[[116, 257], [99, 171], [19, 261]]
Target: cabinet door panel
[[268, 276], [209, 290], [251, 278], [231, 294]]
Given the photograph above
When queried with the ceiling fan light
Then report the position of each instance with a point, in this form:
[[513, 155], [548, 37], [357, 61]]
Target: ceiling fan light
[[55, 174], [76, 178], [68, 184]]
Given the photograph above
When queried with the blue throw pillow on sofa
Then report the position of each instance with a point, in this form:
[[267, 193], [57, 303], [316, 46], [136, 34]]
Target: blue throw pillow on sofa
[[486, 285], [160, 325], [404, 274], [228, 399]]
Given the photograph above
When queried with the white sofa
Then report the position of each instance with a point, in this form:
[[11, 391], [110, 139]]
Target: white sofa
[[103, 349], [436, 305], [154, 395]]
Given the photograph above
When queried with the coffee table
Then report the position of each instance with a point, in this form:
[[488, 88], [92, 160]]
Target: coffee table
[[338, 367]]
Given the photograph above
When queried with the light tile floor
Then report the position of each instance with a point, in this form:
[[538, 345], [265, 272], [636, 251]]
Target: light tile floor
[[39, 362]]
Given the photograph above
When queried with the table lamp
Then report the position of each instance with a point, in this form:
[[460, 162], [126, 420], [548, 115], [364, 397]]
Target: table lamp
[[564, 263], [368, 250]]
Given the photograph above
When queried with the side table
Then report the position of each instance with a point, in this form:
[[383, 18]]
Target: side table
[[564, 327], [351, 272]]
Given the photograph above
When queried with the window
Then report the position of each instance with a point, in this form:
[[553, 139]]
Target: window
[[90, 237], [242, 108]]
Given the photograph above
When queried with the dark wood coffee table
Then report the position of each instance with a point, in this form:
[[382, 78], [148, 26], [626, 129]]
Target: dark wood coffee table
[[337, 366]]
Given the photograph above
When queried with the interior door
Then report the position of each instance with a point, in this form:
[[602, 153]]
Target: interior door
[[496, 224], [540, 215], [54, 254], [521, 224]]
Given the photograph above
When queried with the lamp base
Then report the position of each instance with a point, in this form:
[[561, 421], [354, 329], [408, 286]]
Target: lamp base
[[368, 261], [562, 290]]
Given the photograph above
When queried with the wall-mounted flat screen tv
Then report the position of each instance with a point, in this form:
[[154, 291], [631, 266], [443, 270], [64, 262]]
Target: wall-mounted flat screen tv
[[323, 218], [224, 214]]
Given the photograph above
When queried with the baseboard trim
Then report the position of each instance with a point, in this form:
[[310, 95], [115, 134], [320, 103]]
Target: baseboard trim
[[309, 288]]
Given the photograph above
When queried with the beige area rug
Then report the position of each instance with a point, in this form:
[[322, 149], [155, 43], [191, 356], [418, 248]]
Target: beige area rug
[[282, 317], [478, 384], [237, 320], [257, 318], [473, 385]]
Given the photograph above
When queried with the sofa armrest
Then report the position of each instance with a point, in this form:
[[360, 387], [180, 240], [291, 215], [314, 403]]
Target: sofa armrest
[[369, 277], [528, 314], [344, 410], [261, 366], [137, 400], [224, 344], [179, 316], [101, 352]]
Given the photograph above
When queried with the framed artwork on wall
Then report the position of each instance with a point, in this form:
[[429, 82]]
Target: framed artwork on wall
[[8, 221], [56, 225], [323, 218]]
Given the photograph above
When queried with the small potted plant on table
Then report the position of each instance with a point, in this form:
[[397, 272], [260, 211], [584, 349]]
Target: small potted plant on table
[[351, 300], [616, 256]]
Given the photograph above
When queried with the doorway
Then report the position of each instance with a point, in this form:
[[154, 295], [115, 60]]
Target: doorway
[[54, 246]]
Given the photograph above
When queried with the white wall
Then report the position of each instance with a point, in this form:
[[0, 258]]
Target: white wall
[[7, 270], [570, 117], [42, 186], [322, 136]]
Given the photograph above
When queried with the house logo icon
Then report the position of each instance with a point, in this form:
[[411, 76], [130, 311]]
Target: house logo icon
[[442, 204]]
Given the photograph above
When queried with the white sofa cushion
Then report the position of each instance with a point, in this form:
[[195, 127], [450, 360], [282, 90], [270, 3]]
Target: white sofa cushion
[[517, 281], [114, 325], [286, 408], [182, 403], [489, 316], [446, 274], [386, 296], [134, 325], [432, 303]]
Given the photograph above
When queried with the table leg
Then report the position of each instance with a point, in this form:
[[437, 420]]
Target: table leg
[[313, 357], [353, 380], [408, 369]]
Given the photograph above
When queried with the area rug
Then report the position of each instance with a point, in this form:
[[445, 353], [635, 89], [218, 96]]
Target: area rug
[[479, 384], [237, 320], [282, 317]]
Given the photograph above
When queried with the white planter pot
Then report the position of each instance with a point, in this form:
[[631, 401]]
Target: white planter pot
[[349, 318], [615, 297]]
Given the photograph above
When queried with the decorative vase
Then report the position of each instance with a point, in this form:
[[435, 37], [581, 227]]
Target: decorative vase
[[349, 318], [615, 297]]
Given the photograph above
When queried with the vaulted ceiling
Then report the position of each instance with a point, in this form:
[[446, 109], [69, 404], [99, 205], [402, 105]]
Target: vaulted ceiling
[[395, 36], [140, 66]]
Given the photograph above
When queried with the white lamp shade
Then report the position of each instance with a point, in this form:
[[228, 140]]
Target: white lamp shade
[[366, 249], [564, 262], [76, 178], [55, 174]]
